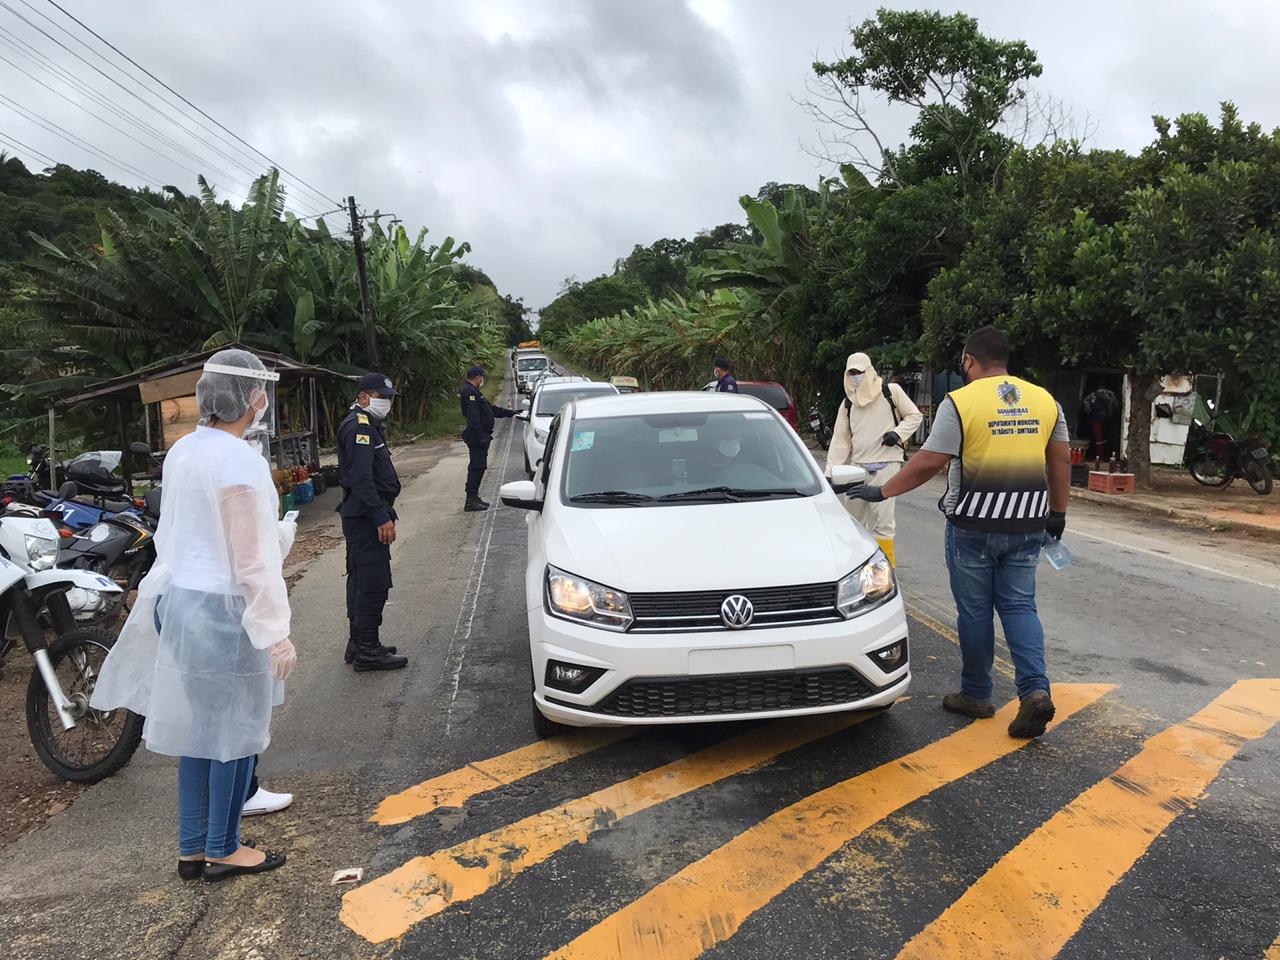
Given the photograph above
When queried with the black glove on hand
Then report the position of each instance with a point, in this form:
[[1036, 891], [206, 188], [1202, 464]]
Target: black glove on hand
[[1056, 523], [891, 439], [866, 492]]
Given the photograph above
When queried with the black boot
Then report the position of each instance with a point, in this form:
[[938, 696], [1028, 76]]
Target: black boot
[[350, 654], [371, 655], [475, 505]]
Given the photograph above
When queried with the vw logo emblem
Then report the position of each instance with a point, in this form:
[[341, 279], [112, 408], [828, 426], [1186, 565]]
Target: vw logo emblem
[[736, 612]]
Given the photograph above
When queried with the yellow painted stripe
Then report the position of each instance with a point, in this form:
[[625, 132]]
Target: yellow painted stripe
[[456, 787], [706, 902], [1273, 951], [388, 906], [1037, 896]]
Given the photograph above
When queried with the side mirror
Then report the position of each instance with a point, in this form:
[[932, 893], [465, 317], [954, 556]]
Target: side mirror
[[520, 494], [68, 491], [140, 449], [844, 479], [523, 415], [524, 403]]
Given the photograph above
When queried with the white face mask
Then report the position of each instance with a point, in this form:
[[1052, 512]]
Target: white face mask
[[379, 407], [259, 418], [857, 378], [729, 448]]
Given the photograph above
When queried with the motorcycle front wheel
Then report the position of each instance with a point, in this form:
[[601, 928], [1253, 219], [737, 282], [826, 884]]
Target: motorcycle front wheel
[[1209, 470], [1259, 476], [102, 741]]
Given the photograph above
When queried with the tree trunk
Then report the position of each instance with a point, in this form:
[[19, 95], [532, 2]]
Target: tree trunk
[[1145, 389]]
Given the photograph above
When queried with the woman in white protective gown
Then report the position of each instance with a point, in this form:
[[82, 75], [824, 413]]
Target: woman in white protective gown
[[206, 648]]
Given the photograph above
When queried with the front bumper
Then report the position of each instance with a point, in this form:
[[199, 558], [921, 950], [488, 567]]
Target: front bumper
[[718, 660]]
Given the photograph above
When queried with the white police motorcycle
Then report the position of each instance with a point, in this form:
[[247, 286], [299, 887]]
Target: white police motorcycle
[[71, 738]]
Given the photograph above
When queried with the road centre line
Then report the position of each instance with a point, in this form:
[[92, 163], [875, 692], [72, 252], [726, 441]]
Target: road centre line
[[707, 902], [471, 595], [456, 787], [1174, 559], [1036, 897], [424, 886]]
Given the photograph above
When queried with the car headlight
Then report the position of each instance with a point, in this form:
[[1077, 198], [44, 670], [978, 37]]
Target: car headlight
[[867, 587], [540, 435], [576, 598], [42, 553]]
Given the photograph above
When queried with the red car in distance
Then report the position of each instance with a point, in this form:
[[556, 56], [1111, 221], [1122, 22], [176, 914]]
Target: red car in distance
[[772, 393]]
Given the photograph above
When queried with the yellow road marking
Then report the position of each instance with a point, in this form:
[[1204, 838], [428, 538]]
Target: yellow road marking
[[456, 787], [706, 902], [1273, 951], [1037, 896], [424, 886]]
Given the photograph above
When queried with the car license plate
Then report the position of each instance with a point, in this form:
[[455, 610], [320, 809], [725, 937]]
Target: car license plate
[[742, 659]]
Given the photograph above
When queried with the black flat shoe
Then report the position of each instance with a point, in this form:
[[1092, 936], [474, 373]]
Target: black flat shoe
[[213, 872], [194, 869]]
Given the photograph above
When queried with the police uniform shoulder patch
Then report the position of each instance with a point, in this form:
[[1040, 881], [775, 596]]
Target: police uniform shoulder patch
[[362, 438], [362, 419]]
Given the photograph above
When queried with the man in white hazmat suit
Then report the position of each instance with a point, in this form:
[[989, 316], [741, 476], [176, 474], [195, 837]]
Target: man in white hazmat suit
[[871, 432], [205, 650]]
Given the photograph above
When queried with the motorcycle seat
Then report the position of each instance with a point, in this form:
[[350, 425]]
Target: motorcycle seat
[[117, 506]]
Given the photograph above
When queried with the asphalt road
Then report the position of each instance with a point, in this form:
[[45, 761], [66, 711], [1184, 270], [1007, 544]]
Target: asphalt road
[[1143, 824]]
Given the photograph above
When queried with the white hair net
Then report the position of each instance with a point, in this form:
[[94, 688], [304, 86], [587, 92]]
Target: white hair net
[[224, 393]]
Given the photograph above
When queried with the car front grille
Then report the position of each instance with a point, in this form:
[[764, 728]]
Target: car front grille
[[700, 610], [734, 693]]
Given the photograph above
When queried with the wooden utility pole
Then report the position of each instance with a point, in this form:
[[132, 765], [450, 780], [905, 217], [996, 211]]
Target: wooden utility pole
[[366, 308]]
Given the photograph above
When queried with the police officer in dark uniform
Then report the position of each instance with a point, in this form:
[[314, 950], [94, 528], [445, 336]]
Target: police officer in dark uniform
[[369, 490], [478, 434], [723, 371]]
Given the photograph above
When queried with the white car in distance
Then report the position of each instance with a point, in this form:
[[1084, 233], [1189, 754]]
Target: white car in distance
[[529, 369], [687, 561], [538, 412]]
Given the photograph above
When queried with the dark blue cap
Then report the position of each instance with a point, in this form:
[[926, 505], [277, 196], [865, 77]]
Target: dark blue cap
[[476, 371], [376, 383]]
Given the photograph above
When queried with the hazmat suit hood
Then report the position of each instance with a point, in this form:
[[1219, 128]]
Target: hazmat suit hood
[[871, 386]]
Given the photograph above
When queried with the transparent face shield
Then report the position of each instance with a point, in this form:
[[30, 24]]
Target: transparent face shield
[[261, 385]]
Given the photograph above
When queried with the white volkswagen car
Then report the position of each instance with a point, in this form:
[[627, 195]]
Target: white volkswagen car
[[547, 400], [687, 561]]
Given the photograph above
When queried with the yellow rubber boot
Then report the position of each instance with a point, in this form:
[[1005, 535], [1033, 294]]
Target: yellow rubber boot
[[887, 547]]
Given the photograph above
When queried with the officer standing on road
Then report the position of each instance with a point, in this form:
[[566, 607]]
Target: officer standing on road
[[723, 371], [478, 434], [369, 490]]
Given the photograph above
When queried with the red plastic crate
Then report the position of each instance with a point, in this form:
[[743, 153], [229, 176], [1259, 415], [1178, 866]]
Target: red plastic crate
[[1103, 482]]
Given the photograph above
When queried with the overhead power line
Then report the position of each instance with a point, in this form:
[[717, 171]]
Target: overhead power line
[[275, 163], [146, 103], [17, 144], [58, 131], [37, 57]]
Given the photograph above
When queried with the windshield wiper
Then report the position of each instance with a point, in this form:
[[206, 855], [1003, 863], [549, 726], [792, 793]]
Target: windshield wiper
[[611, 496], [731, 493]]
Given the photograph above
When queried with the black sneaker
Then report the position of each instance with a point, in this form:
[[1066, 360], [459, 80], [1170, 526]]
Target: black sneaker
[[475, 506], [1033, 716], [965, 705]]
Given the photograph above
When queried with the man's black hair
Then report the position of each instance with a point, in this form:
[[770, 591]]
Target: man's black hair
[[989, 346], [723, 364]]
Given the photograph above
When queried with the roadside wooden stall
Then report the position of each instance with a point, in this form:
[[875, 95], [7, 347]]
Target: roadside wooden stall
[[167, 394]]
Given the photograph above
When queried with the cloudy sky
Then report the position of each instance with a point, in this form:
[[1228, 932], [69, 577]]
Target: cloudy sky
[[556, 134]]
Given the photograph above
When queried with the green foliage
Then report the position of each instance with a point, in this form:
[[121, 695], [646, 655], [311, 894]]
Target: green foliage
[[162, 279]]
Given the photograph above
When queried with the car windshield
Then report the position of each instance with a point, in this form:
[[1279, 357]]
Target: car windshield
[[696, 457], [532, 363], [550, 401], [770, 393]]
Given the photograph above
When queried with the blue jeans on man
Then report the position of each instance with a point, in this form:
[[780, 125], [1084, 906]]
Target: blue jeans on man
[[995, 573]]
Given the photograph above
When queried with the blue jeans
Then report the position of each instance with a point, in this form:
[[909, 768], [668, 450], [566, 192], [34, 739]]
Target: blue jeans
[[211, 795], [996, 571]]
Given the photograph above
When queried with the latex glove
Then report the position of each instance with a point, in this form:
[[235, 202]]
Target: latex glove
[[866, 492], [891, 439], [1056, 524], [283, 659], [286, 533]]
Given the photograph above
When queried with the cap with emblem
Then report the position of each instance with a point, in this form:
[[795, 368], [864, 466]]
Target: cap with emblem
[[376, 383], [476, 371]]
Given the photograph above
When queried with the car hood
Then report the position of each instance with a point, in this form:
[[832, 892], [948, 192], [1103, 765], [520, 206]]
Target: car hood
[[723, 546]]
